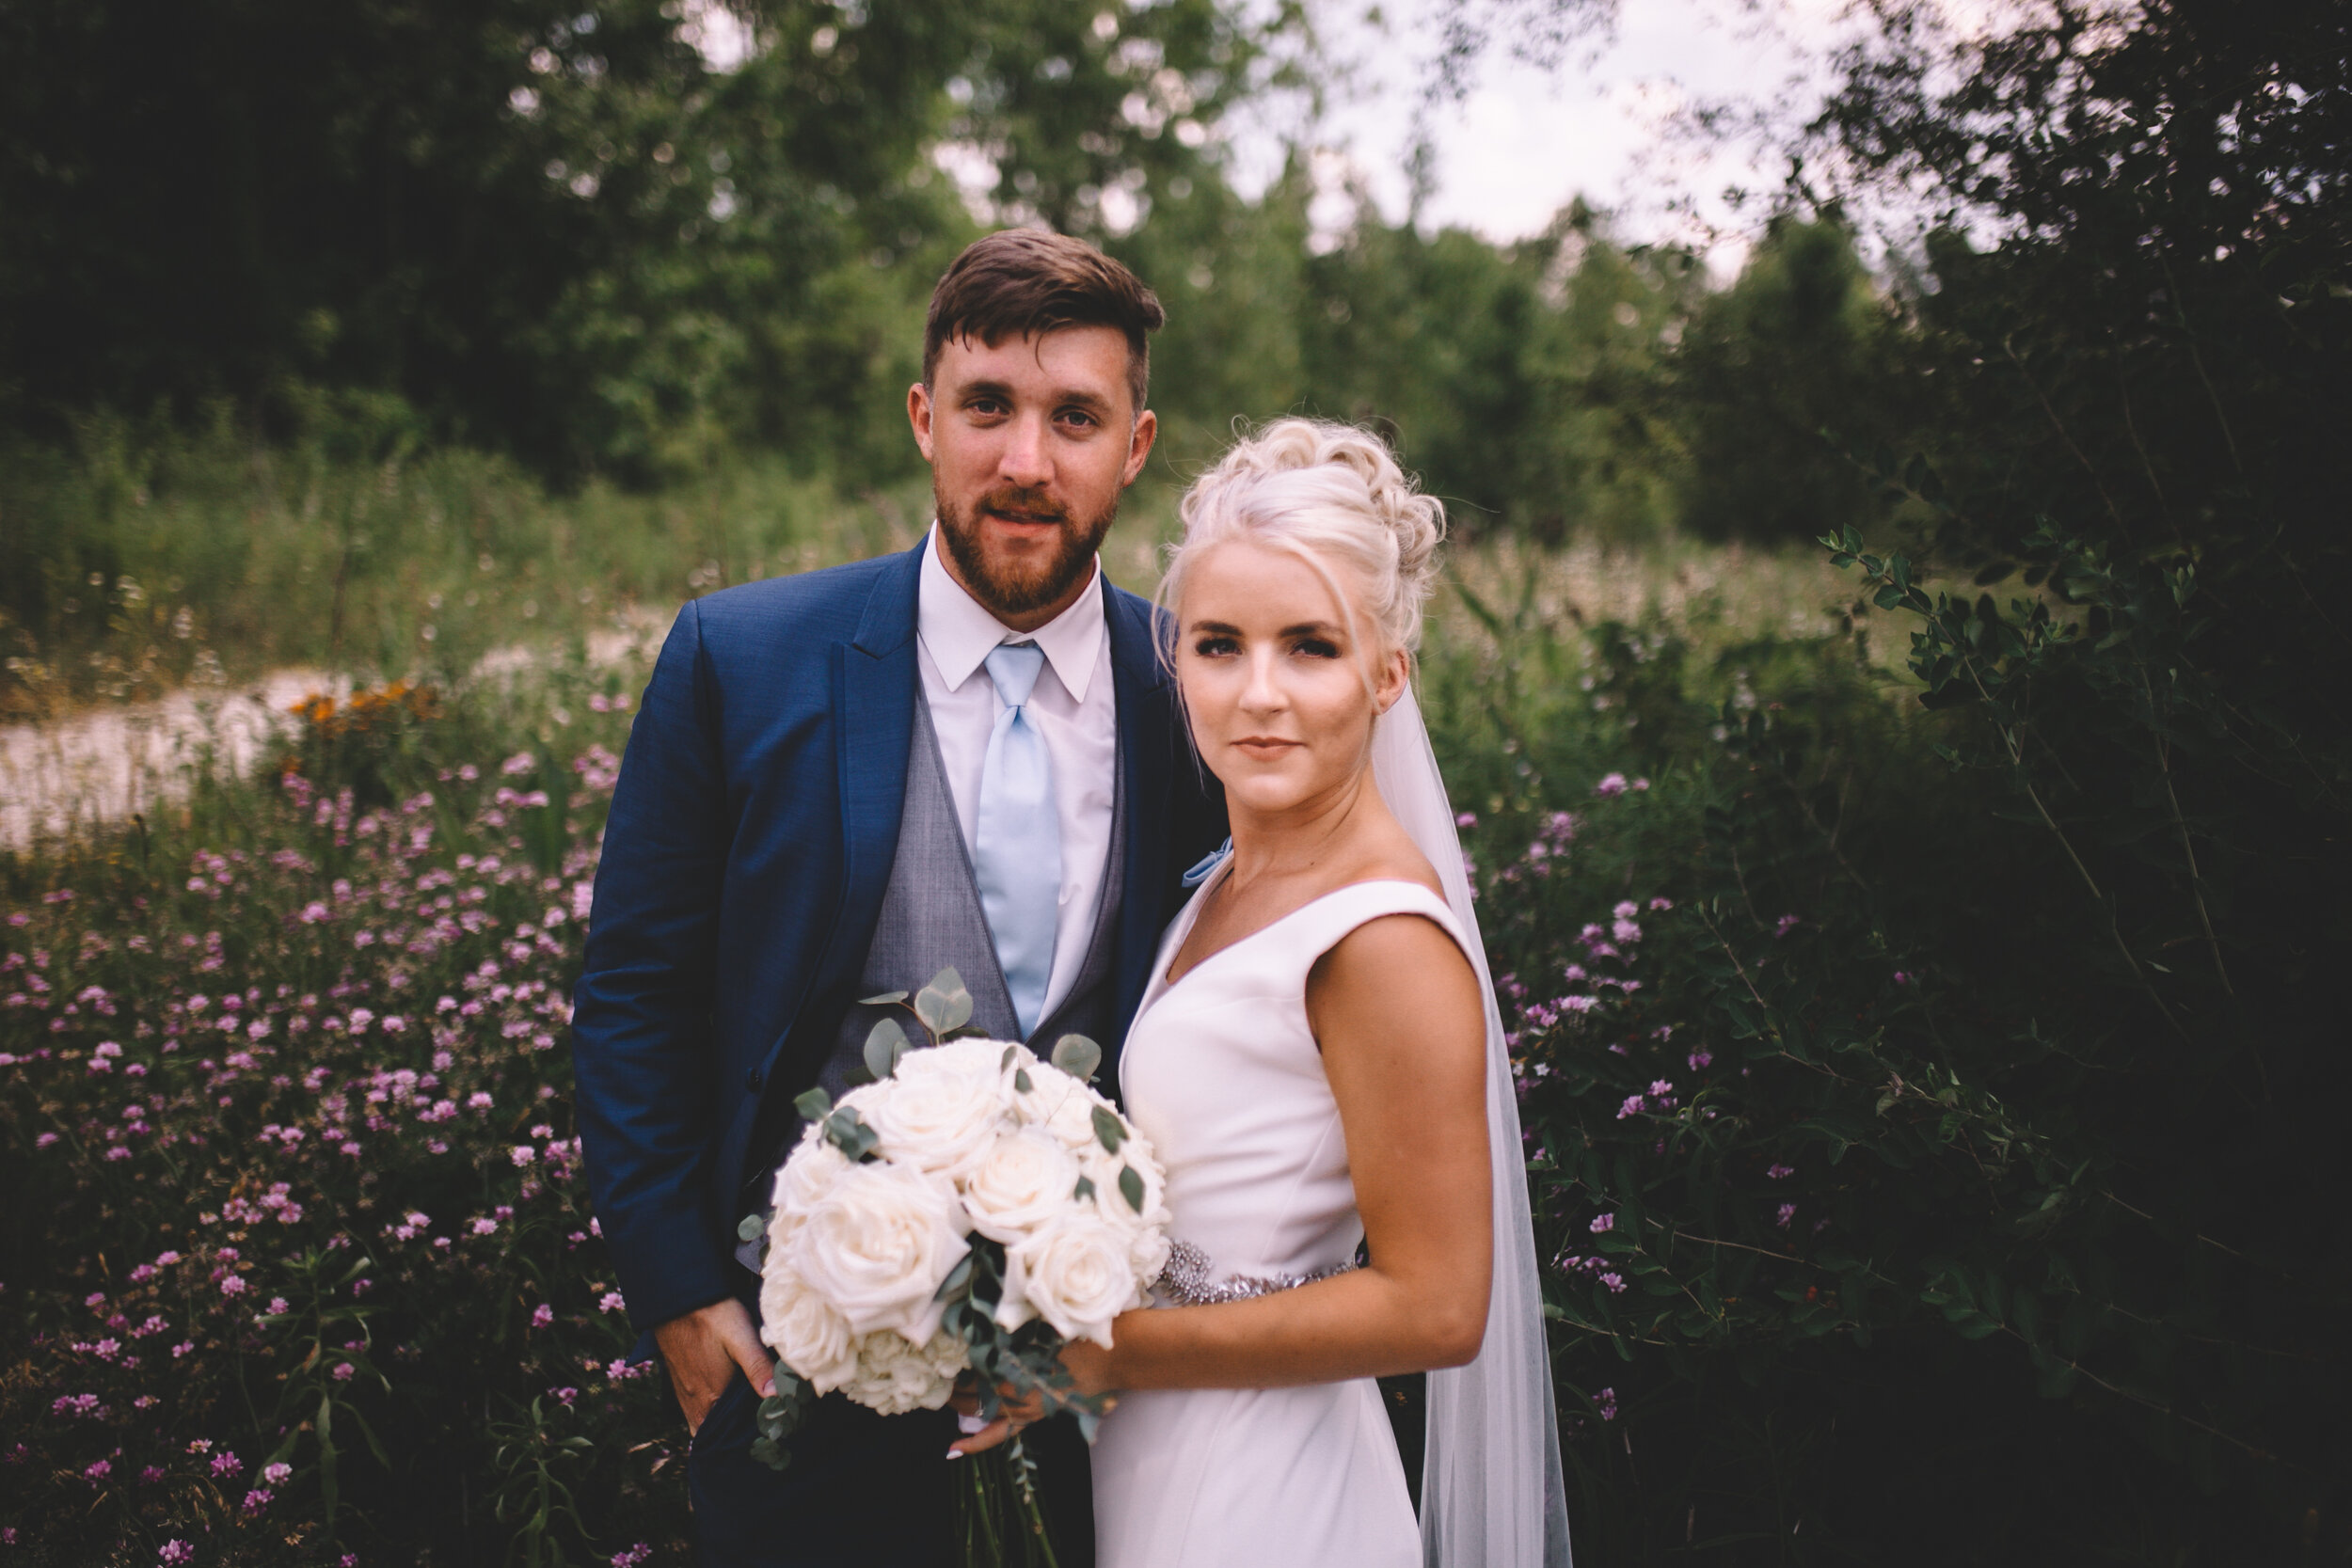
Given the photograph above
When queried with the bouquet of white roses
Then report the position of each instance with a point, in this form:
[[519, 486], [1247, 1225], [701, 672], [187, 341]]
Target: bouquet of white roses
[[973, 1208]]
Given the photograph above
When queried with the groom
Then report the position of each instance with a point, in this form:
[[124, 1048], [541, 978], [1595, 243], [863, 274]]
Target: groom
[[839, 784]]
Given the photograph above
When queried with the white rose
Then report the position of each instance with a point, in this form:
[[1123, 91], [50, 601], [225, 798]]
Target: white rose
[[943, 1107], [1025, 1180], [812, 1337], [1064, 1107], [1075, 1273], [804, 1179], [1148, 1249], [877, 1245], [894, 1376]]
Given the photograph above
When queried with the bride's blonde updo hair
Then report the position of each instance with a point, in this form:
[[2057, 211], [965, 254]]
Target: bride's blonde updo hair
[[1328, 492]]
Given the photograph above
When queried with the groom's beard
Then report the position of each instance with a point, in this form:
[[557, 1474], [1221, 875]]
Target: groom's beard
[[1017, 588]]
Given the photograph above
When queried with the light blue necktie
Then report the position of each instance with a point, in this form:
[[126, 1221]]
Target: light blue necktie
[[1017, 858]]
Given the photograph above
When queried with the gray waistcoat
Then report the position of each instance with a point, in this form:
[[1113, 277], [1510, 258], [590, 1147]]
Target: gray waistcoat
[[932, 918]]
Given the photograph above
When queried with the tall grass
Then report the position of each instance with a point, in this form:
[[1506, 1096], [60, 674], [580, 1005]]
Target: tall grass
[[145, 556], [141, 558]]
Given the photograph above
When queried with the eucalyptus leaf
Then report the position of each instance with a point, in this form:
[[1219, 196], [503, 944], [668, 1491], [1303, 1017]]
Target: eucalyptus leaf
[[1022, 1083], [884, 1044], [748, 1228], [1131, 1187], [1078, 1055], [1108, 1129], [944, 1004], [813, 1105], [848, 1133], [1084, 1190], [888, 998], [957, 1278]]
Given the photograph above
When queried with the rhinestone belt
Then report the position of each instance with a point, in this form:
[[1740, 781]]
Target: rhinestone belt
[[1186, 1282]]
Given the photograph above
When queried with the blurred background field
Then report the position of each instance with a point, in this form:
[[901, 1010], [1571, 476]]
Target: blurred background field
[[1921, 948]]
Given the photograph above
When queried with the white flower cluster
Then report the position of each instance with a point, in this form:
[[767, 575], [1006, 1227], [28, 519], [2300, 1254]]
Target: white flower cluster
[[976, 1138]]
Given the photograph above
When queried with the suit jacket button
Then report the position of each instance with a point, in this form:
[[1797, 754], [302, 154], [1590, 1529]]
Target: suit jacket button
[[751, 1081]]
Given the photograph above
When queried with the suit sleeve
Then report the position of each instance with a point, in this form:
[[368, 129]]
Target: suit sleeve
[[642, 1047]]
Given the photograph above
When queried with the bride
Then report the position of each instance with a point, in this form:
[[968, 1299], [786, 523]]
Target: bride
[[1319, 1064]]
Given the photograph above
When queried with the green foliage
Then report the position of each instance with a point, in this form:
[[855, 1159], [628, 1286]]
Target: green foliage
[[532, 1458], [1850, 1131], [299, 1260], [1525, 381], [1802, 341], [568, 234], [331, 1337]]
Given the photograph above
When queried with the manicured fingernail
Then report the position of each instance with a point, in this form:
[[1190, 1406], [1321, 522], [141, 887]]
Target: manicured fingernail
[[955, 1453]]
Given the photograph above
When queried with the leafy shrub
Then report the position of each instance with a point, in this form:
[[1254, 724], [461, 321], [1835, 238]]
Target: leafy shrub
[[1926, 1076]]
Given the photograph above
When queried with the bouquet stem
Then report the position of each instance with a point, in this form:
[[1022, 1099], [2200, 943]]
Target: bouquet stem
[[998, 1516]]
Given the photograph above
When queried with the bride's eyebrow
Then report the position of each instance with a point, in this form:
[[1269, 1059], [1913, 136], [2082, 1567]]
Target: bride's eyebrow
[[1220, 628], [1310, 628]]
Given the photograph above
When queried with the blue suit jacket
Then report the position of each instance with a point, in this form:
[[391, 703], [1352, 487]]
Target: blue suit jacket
[[751, 837]]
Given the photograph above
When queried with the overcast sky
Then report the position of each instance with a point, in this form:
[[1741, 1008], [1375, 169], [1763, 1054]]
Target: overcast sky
[[1601, 124]]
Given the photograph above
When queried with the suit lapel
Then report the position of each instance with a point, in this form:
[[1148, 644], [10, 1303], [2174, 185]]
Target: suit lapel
[[1147, 752], [875, 686]]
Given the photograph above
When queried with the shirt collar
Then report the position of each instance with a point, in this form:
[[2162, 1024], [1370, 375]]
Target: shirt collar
[[958, 631]]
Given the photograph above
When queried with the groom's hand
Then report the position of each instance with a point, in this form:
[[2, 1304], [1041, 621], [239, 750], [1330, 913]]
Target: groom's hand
[[704, 1349]]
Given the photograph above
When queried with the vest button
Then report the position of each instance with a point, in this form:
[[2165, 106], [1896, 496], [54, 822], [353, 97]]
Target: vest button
[[751, 1081]]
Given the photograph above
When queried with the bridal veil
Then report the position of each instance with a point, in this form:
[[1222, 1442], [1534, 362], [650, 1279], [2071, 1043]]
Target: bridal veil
[[1492, 1494]]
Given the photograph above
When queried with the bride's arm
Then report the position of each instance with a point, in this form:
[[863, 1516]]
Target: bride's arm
[[1396, 1009]]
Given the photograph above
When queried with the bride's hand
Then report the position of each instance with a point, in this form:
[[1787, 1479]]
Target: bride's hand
[[1090, 1364]]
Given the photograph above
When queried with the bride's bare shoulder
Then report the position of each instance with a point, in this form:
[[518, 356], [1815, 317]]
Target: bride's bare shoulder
[[1396, 858]]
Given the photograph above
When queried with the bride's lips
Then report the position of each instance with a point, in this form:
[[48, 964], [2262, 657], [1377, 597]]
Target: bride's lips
[[1265, 748]]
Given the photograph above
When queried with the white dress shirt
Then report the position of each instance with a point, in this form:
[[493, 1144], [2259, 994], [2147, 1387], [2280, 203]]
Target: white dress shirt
[[1073, 705]]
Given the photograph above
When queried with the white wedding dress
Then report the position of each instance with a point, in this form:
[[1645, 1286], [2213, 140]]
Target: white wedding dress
[[1221, 1072]]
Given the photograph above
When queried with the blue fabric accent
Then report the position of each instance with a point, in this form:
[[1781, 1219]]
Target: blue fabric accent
[[1016, 853], [1209, 862]]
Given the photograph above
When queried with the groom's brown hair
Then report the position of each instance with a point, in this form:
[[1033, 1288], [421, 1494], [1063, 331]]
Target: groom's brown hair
[[1025, 282]]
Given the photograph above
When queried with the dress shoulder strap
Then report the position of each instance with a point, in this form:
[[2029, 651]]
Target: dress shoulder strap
[[1320, 926]]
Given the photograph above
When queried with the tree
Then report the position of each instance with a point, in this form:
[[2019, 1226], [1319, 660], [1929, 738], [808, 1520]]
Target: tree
[[558, 227]]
